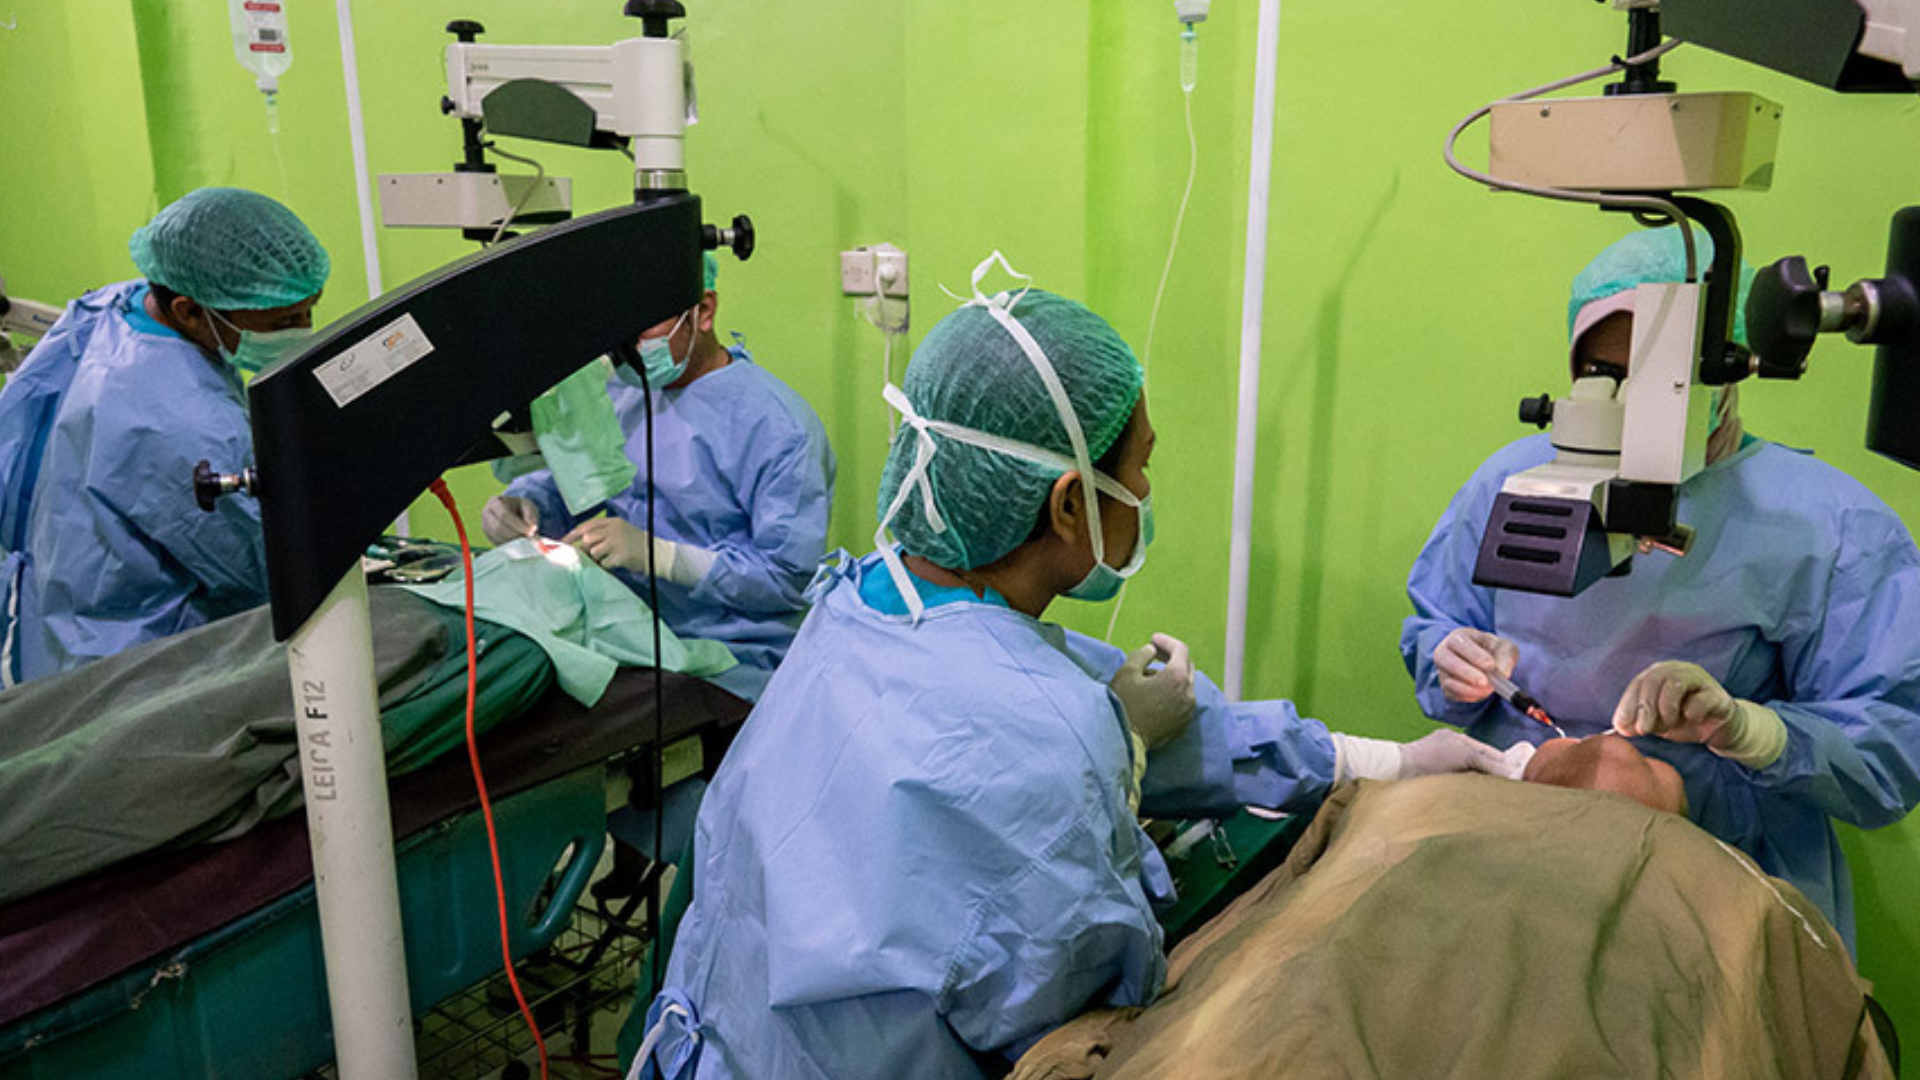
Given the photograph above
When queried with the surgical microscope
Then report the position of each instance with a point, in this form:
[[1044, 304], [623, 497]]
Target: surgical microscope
[[22, 317], [1622, 449], [441, 358]]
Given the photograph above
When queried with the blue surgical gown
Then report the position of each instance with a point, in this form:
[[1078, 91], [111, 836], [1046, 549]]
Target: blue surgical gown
[[1802, 593], [917, 857], [103, 543], [742, 469]]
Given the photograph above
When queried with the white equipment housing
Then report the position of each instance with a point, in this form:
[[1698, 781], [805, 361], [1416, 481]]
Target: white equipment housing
[[637, 88], [1637, 142], [471, 200]]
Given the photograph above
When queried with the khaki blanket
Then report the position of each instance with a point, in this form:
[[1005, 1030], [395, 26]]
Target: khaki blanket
[[1468, 927]]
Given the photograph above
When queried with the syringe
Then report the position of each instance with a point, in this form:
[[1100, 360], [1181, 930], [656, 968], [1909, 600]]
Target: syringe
[[1522, 701]]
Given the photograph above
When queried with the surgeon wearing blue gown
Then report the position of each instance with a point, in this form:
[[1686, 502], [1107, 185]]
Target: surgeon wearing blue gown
[[742, 483], [921, 853], [102, 546], [1776, 666]]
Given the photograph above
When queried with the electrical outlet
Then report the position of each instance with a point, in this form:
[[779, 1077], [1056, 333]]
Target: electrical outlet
[[881, 268]]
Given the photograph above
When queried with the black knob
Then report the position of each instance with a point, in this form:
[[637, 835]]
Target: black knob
[[210, 486], [1537, 411], [465, 29], [653, 15], [738, 236], [742, 237], [206, 486], [1783, 316]]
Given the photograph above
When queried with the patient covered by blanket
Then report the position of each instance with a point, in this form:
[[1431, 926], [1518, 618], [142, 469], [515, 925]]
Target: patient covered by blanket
[[192, 738], [1466, 926]]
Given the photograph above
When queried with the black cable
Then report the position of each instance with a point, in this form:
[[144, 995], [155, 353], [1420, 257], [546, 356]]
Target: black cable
[[659, 702], [629, 355]]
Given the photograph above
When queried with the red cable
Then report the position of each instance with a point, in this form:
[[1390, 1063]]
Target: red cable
[[439, 488]]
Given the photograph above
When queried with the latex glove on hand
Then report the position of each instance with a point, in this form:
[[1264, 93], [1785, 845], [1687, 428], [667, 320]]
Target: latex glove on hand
[[1447, 751], [509, 517], [1159, 702], [1681, 702], [1463, 659], [616, 545]]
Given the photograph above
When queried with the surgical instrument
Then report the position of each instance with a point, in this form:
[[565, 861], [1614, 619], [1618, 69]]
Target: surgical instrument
[[1523, 701]]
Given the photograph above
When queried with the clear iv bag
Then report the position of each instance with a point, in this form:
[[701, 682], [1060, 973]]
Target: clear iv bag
[[260, 40]]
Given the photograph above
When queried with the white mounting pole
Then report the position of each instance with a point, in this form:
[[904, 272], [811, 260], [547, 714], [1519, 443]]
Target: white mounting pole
[[1252, 312], [357, 136], [344, 769]]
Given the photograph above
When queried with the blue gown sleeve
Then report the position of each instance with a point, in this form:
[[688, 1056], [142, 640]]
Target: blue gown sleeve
[[539, 486], [788, 496], [1258, 753], [1069, 932], [1851, 698], [1445, 598]]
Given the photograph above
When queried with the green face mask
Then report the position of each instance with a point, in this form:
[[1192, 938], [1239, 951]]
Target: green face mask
[[581, 440], [260, 349]]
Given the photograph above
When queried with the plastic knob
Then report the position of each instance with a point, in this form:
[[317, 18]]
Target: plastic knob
[[738, 237], [1537, 411], [653, 15], [465, 29], [1783, 316], [206, 486], [742, 237]]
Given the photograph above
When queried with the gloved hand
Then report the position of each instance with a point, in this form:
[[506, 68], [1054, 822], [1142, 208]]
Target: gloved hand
[[1159, 703], [1446, 751], [1681, 702], [616, 545], [509, 517], [1463, 659]]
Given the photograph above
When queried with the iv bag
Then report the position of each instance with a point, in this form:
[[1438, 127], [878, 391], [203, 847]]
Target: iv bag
[[260, 40]]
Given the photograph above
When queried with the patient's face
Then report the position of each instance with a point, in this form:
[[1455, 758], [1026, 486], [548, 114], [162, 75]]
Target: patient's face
[[1608, 763]]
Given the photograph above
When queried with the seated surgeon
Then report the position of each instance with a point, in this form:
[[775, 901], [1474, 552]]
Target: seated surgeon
[[1778, 663], [743, 483], [100, 429], [919, 854]]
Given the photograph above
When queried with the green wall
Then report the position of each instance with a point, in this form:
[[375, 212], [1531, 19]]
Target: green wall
[[1406, 309]]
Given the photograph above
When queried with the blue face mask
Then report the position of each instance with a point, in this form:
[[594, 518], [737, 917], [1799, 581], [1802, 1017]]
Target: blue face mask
[[656, 354], [1103, 582], [260, 349]]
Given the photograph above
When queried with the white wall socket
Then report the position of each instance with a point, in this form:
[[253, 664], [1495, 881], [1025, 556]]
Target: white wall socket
[[862, 267]]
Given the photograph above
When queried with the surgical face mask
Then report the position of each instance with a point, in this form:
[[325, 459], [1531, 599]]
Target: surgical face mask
[[260, 349], [1103, 582], [1093, 484], [656, 354]]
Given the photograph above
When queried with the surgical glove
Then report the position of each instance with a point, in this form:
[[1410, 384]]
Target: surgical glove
[[617, 545], [1463, 659], [1357, 758], [509, 517], [1158, 702], [1681, 702]]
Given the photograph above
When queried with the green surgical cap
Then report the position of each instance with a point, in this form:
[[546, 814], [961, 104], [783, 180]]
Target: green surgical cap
[[969, 371], [231, 250], [1647, 257], [710, 270]]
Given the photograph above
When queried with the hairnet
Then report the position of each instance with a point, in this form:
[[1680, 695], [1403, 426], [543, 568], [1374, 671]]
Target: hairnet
[[969, 371], [231, 249], [709, 270], [1645, 257]]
